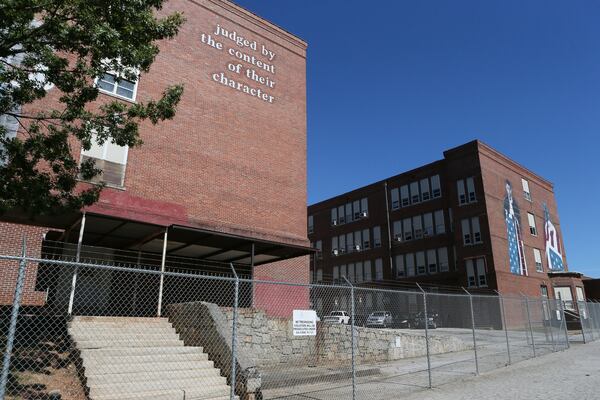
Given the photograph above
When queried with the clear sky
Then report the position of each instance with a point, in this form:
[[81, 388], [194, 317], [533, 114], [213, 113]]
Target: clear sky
[[391, 84]]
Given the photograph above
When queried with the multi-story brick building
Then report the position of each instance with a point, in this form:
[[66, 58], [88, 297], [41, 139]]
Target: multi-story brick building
[[475, 219], [224, 181]]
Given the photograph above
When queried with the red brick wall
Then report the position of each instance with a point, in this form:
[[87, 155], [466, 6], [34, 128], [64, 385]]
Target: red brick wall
[[496, 169], [11, 244]]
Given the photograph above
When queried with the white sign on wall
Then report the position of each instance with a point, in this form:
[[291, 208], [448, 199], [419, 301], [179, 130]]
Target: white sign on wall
[[305, 323]]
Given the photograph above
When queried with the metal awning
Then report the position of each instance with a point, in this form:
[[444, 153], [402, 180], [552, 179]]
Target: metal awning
[[183, 241]]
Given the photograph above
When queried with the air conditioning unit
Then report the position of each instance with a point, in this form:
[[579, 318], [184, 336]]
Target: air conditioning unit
[[356, 247], [335, 252], [334, 222], [363, 214], [398, 238]]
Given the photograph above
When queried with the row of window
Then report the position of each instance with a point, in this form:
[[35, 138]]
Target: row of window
[[422, 262], [355, 241], [349, 212], [416, 192], [419, 226], [358, 272]]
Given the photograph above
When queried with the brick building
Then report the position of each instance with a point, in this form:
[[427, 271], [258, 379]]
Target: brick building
[[224, 181], [475, 219]]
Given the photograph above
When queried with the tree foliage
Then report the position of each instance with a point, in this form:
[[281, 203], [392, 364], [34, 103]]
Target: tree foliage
[[63, 45]]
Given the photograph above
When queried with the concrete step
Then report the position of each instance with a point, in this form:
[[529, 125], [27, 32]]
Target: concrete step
[[117, 320], [167, 395], [118, 336], [207, 376], [202, 387], [127, 342], [138, 351], [100, 359], [100, 369]]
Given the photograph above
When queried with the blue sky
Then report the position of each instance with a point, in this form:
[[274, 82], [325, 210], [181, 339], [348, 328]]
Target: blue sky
[[393, 84]]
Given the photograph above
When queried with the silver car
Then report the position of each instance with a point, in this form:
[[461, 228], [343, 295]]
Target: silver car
[[380, 319]]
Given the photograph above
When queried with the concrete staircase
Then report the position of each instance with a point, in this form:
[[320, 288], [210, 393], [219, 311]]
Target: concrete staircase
[[143, 358]]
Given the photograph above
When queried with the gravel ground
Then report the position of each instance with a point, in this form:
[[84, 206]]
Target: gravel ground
[[574, 373]]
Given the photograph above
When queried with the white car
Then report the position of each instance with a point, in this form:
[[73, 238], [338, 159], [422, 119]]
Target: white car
[[380, 319], [337, 317]]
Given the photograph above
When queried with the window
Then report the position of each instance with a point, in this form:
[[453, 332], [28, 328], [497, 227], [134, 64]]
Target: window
[[350, 242], [365, 239], [367, 267], [476, 230], [11, 126], [431, 261], [341, 215], [342, 239], [435, 186], [440, 226], [466, 232], [334, 216], [395, 199], [343, 272], [358, 240], [117, 85], [526, 192], [537, 255], [421, 269], [462, 195], [579, 293], [544, 290], [319, 247], [417, 227], [348, 212], [319, 275], [397, 230], [443, 259], [404, 197], [364, 207], [359, 272], [407, 231], [532, 228], [425, 193], [110, 158], [427, 225], [410, 264], [311, 226], [379, 269], [336, 273], [415, 197], [471, 190], [351, 272], [476, 276], [400, 266], [377, 236], [356, 207]]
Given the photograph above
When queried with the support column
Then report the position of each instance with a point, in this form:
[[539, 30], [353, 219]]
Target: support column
[[162, 272], [77, 259]]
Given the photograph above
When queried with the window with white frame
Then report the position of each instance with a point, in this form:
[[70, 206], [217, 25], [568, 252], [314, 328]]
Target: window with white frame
[[537, 255], [358, 241], [118, 84], [476, 229], [443, 264], [466, 232], [471, 190], [466, 191], [410, 264], [420, 261], [400, 266], [431, 261], [311, 226], [481, 275], [334, 216], [365, 239], [462, 193], [425, 192], [356, 209], [335, 247], [395, 195], [377, 236], [407, 229], [526, 192], [404, 196], [368, 271], [379, 269], [397, 230], [435, 186], [476, 276], [471, 231], [532, 227], [110, 158], [364, 207], [440, 225], [427, 224], [415, 196]]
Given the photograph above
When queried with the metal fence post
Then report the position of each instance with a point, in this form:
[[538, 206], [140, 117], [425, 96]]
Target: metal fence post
[[530, 326], [581, 323], [564, 320], [233, 380], [77, 259], [503, 311], [162, 273], [352, 337], [10, 339], [426, 332], [473, 326]]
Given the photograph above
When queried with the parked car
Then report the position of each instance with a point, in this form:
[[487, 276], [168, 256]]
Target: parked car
[[380, 319], [418, 321], [337, 317], [403, 321]]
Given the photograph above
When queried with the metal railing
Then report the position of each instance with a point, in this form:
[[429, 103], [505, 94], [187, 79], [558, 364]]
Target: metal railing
[[229, 336]]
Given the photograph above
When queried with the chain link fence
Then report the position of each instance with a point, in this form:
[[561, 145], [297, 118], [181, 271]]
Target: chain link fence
[[137, 331]]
